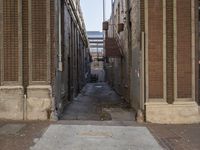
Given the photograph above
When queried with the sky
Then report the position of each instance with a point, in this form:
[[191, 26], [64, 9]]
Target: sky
[[93, 13]]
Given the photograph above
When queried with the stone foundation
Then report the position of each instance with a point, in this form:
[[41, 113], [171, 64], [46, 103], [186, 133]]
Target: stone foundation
[[11, 102], [15, 106], [177, 113], [38, 102]]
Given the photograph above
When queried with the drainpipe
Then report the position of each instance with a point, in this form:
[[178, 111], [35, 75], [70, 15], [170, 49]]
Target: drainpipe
[[59, 38], [25, 107]]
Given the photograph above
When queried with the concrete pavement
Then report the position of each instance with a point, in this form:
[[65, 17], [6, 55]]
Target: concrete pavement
[[97, 101], [170, 137], [90, 137]]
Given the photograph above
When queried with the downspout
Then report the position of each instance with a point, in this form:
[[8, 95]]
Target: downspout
[[60, 68], [25, 107], [141, 112]]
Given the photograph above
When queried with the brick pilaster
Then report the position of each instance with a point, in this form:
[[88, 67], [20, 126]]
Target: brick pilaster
[[155, 49], [11, 42], [170, 50], [39, 42]]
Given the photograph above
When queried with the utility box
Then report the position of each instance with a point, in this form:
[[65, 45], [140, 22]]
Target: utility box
[[105, 25]]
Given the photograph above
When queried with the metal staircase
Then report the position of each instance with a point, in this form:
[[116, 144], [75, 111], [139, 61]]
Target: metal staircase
[[113, 46]]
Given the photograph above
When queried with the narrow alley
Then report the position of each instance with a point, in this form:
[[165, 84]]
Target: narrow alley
[[99, 75], [97, 101]]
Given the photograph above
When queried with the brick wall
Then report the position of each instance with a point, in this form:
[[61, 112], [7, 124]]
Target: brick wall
[[155, 48], [184, 49], [184, 62], [39, 41], [69, 80], [10, 40], [25, 43], [170, 50]]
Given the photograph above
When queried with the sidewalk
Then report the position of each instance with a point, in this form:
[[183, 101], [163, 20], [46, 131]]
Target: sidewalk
[[177, 137], [23, 135], [20, 135]]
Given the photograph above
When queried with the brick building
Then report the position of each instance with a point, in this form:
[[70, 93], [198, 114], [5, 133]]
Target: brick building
[[155, 64], [44, 57], [151, 49]]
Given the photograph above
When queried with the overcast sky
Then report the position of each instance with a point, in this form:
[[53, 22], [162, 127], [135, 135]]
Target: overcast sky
[[93, 13]]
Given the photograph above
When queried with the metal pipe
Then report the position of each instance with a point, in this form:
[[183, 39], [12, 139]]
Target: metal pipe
[[59, 37], [104, 13]]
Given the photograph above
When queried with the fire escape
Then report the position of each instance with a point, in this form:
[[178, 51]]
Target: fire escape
[[113, 46]]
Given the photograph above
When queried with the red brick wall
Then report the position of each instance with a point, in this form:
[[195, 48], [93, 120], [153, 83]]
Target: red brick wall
[[184, 62], [39, 42], [155, 13], [170, 50], [10, 40], [25, 42], [142, 17]]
